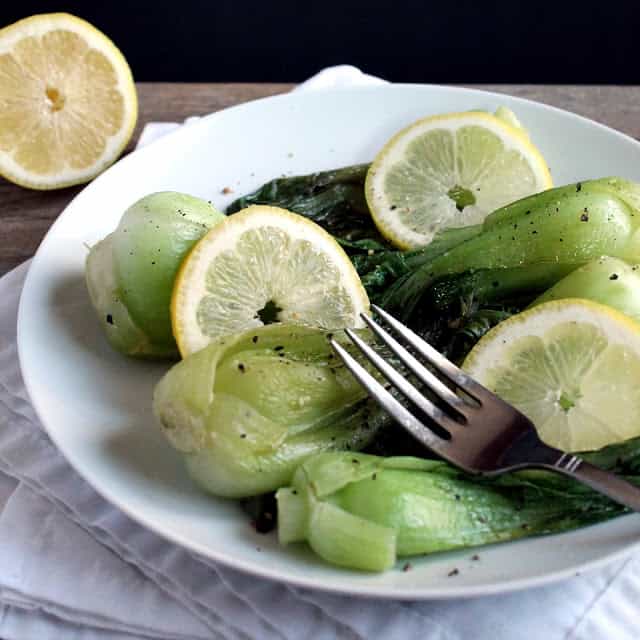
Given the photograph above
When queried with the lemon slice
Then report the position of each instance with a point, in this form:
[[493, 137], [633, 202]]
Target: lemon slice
[[68, 103], [451, 171], [572, 366], [263, 265]]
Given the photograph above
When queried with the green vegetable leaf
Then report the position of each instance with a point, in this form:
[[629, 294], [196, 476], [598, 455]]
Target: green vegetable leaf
[[333, 199]]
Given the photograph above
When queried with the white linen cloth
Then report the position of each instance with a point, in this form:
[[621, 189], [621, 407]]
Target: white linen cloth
[[74, 567]]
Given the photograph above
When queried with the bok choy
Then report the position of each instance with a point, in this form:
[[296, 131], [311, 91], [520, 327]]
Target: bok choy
[[363, 512], [248, 409], [130, 273]]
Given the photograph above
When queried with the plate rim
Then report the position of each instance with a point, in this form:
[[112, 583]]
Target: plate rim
[[246, 566]]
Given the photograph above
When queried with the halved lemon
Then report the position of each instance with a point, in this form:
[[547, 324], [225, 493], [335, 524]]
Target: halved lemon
[[68, 104], [263, 265], [572, 366], [451, 171]]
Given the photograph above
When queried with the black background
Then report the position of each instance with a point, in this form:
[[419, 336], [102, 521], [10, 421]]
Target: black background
[[447, 41]]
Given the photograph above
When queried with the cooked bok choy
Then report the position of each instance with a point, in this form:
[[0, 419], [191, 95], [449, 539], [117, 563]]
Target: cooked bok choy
[[566, 227], [363, 512], [609, 281], [248, 409], [130, 273]]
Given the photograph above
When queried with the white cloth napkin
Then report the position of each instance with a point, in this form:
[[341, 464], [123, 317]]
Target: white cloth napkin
[[74, 567]]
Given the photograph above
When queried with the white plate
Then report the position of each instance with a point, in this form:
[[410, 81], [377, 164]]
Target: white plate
[[96, 405]]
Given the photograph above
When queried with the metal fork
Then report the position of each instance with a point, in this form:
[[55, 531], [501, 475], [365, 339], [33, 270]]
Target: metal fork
[[483, 436]]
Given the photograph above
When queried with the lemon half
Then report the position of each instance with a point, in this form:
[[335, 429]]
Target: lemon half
[[68, 103], [572, 366], [451, 171]]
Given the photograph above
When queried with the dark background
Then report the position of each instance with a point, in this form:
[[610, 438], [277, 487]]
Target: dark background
[[241, 40]]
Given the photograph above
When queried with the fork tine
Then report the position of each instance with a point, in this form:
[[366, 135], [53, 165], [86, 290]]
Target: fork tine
[[403, 385], [399, 413], [434, 358], [424, 375]]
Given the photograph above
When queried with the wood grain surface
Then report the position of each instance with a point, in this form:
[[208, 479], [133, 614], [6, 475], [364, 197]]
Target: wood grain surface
[[25, 215]]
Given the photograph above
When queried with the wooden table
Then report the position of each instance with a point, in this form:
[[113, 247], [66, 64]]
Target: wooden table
[[25, 216]]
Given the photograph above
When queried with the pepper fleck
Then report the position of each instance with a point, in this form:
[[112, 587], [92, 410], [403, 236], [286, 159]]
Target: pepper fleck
[[475, 557], [278, 348], [407, 567], [584, 217], [453, 572], [241, 367], [254, 339], [109, 318], [579, 187], [613, 276]]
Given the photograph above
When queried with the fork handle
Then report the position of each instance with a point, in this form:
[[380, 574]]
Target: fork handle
[[605, 482]]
